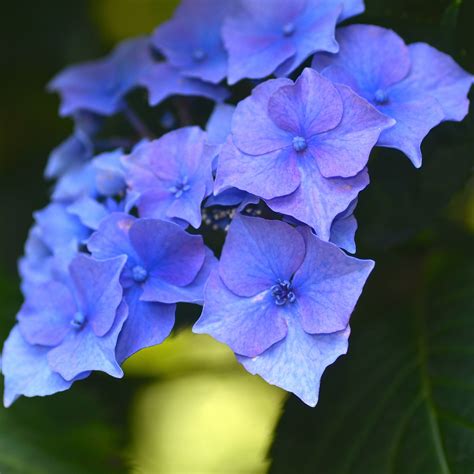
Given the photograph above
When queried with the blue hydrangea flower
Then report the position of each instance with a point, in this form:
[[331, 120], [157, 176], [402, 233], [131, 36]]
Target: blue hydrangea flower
[[68, 328], [277, 36], [191, 40], [99, 86], [302, 147], [164, 265], [281, 299], [416, 85], [171, 176]]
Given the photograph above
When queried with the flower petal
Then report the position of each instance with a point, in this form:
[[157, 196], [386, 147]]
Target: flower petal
[[298, 362], [258, 253], [248, 326]]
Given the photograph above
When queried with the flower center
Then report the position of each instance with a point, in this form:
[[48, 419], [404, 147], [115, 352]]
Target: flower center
[[179, 188], [288, 29], [299, 143], [199, 55], [78, 320], [380, 97], [139, 274], [283, 293]]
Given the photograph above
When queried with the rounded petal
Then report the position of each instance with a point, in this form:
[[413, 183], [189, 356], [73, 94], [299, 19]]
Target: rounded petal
[[258, 253], [298, 362], [374, 57], [46, 315], [344, 151], [111, 238], [267, 176], [436, 73], [148, 324], [167, 251], [254, 132], [248, 326], [98, 289], [328, 285], [158, 290], [319, 200], [311, 106]]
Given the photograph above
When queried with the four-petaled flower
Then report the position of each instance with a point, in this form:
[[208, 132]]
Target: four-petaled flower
[[302, 147], [171, 176], [417, 85], [164, 265], [281, 299], [66, 328]]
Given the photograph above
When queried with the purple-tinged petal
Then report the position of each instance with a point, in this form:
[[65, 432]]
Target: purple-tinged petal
[[298, 362], [344, 228], [248, 326], [414, 121], [172, 175], [374, 57], [111, 239], [83, 351], [271, 175], [191, 40], [26, 370], [255, 49], [311, 106], [167, 251], [319, 200], [314, 31], [98, 290], [258, 253], [328, 285], [46, 315], [254, 132], [436, 73], [158, 290], [344, 151], [163, 80], [148, 324]]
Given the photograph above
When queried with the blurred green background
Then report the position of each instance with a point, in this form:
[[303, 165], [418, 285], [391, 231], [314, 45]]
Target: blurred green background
[[401, 402]]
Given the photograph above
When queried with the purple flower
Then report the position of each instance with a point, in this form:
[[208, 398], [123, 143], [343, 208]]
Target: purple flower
[[416, 85], [164, 265], [277, 36], [302, 147], [162, 80], [68, 328], [191, 40], [171, 176], [281, 299]]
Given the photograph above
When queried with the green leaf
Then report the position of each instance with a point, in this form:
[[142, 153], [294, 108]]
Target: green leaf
[[402, 400]]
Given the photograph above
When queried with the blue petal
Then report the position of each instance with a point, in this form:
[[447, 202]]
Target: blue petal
[[298, 362]]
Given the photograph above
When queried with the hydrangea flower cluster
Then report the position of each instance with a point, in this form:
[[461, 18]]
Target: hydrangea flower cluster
[[127, 236]]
